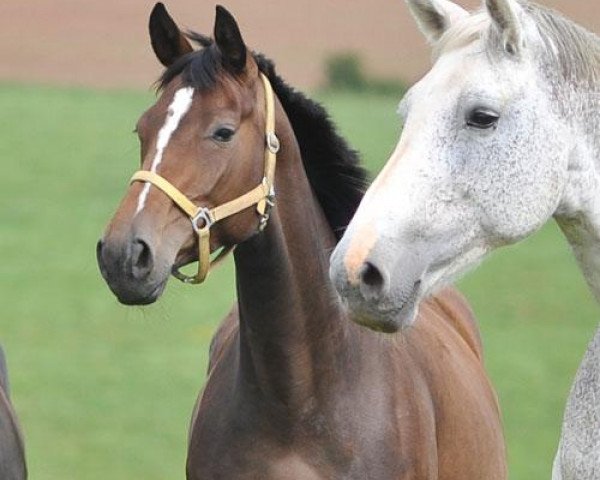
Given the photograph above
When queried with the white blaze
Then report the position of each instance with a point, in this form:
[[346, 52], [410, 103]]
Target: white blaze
[[182, 101]]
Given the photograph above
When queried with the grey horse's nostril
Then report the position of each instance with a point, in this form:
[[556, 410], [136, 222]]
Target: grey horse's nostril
[[373, 283], [141, 259], [371, 276]]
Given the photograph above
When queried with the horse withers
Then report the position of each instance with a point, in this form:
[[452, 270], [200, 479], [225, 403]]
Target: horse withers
[[233, 156], [12, 450], [501, 135]]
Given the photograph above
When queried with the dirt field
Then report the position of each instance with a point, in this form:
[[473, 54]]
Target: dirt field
[[104, 43]]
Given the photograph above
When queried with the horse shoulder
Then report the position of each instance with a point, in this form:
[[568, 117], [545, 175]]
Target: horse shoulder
[[222, 339], [456, 311], [447, 345], [223, 336], [578, 451], [449, 326]]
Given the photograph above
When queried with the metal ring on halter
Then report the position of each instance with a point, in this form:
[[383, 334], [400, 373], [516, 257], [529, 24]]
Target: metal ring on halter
[[273, 142], [182, 277], [204, 215]]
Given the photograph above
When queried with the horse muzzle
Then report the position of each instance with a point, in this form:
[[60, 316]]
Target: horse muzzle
[[130, 269], [380, 287]]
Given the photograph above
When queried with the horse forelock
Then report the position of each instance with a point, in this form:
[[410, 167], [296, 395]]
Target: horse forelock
[[463, 33]]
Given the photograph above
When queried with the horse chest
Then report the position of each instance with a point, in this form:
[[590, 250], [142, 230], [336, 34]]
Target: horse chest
[[337, 442], [356, 433], [265, 461]]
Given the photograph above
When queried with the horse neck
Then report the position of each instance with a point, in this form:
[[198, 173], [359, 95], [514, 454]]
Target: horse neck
[[290, 320], [579, 213]]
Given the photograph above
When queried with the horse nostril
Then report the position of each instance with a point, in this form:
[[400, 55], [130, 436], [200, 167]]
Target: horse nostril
[[100, 260], [372, 281], [371, 276], [99, 246], [141, 259]]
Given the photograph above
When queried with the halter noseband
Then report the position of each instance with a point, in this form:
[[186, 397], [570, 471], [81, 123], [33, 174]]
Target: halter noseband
[[204, 218]]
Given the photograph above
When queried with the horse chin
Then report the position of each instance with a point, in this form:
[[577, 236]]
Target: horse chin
[[388, 318], [142, 300], [146, 295], [130, 292]]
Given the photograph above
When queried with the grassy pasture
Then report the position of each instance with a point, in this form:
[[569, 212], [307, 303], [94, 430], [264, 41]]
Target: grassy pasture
[[106, 392]]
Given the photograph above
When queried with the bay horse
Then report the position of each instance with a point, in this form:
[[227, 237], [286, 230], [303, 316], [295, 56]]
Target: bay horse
[[502, 134], [294, 389], [12, 450]]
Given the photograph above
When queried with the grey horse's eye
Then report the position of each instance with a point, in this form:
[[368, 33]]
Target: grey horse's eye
[[482, 118]]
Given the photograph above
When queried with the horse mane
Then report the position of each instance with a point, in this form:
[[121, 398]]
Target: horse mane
[[574, 51], [332, 167], [571, 53]]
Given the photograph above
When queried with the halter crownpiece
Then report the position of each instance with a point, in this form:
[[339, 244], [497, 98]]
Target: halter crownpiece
[[203, 218]]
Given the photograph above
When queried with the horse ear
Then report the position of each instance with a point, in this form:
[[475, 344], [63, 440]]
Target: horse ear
[[506, 16], [229, 40], [434, 17], [167, 40]]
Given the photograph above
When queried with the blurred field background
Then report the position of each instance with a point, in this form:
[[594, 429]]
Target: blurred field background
[[104, 391]]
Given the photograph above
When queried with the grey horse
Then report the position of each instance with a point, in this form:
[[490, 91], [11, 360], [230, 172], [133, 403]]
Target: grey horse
[[502, 134], [12, 450]]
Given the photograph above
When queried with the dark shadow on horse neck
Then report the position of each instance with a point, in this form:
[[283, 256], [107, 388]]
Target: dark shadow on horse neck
[[290, 317]]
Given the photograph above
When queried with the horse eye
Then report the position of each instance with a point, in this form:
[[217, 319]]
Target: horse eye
[[223, 134], [482, 119]]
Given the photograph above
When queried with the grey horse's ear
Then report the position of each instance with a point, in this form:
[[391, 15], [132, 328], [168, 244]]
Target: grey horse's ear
[[507, 17], [434, 17]]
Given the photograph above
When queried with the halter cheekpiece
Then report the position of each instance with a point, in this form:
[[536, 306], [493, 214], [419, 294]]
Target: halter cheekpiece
[[203, 218]]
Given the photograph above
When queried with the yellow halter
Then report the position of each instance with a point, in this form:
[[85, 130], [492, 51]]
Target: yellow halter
[[203, 218]]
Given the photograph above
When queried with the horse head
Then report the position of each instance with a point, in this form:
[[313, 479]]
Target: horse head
[[483, 159], [206, 177]]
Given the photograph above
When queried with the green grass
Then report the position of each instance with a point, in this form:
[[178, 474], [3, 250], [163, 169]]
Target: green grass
[[106, 392]]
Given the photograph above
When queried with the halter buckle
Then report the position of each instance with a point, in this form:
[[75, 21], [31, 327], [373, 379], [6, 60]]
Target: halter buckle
[[269, 202], [273, 143], [262, 222], [270, 189], [203, 215], [270, 198]]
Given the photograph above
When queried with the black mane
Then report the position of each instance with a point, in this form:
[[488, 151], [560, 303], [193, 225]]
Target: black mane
[[332, 167]]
